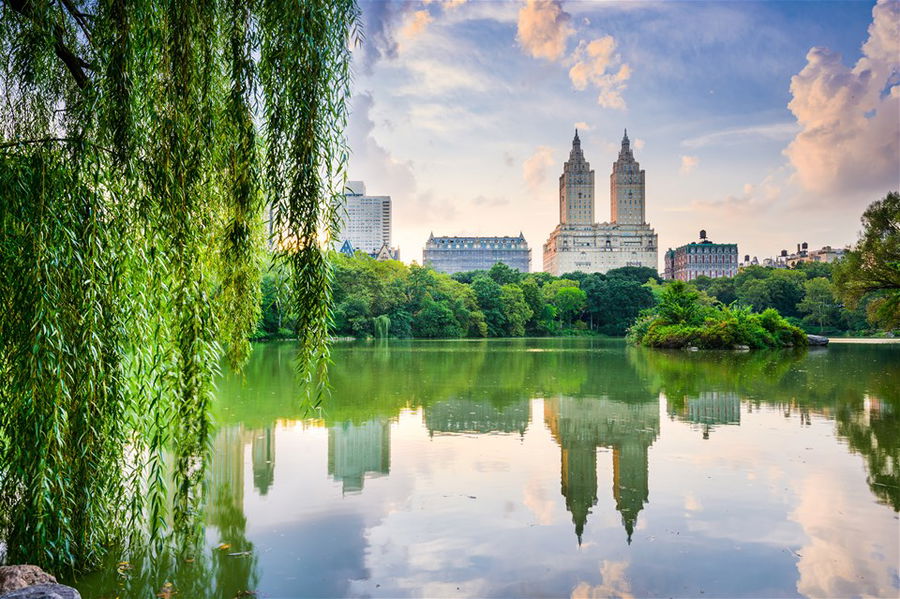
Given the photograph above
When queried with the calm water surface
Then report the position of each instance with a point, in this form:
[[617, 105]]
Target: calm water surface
[[558, 468]]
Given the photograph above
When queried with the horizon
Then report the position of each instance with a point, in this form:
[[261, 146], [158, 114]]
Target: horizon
[[765, 124]]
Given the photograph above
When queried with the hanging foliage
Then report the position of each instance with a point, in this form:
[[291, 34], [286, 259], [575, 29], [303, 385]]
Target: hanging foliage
[[140, 142]]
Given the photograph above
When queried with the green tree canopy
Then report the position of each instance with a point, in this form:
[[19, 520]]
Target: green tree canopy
[[873, 266], [818, 303]]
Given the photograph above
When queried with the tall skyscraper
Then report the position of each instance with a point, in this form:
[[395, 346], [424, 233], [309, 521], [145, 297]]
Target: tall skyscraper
[[580, 244], [366, 220]]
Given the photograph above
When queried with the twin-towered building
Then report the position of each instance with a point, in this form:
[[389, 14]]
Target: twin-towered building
[[579, 243]]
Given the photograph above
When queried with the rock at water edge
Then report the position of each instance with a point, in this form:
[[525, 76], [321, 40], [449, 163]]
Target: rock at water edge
[[43, 591], [13, 578]]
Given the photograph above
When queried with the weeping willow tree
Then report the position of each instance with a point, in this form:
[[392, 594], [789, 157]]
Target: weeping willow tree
[[140, 143]]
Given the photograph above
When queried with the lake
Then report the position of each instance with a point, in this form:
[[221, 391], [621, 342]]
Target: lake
[[548, 467]]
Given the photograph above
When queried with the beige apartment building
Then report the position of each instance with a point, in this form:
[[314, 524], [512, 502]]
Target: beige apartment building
[[578, 243]]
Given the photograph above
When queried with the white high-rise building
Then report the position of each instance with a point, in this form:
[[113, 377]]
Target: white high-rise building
[[580, 244], [366, 220]]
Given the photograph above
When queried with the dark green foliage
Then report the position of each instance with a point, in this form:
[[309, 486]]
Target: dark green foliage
[[613, 303], [871, 271], [489, 296], [637, 274], [504, 275]]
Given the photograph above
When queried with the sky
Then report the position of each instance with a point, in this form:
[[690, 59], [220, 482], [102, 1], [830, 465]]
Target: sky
[[765, 123]]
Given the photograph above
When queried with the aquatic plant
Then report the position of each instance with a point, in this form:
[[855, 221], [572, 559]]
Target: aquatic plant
[[139, 145]]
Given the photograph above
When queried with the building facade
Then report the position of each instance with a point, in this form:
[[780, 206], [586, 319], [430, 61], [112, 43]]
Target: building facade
[[366, 220], [578, 243], [825, 255], [461, 254], [705, 258]]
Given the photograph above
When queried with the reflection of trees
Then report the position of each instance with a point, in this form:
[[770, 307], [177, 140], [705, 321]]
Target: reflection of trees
[[580, 426], [181, 565], [874, 432], [379, 380], [858, 386]]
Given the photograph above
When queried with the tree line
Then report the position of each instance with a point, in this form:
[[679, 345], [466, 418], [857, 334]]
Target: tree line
[[858, 295], [389, 298]]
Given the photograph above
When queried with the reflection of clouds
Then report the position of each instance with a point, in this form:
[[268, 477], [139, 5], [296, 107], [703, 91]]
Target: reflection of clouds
[[691, 503], [614, 583], [541, 502], [842, 561]]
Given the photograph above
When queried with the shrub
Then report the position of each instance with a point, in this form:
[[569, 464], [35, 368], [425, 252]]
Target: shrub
[[681, 319]]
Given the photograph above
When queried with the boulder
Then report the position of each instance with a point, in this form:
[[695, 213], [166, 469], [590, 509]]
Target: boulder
[[817, 340], [13, 578], [742, 347], [43, 591]]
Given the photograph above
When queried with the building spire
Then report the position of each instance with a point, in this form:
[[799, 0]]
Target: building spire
[[576, 141], [625, 141]]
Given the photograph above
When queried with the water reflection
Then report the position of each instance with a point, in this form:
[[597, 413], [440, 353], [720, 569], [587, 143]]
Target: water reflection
[[580, 426], [358, 450], [476, 416], [488, 454], [707, 410]]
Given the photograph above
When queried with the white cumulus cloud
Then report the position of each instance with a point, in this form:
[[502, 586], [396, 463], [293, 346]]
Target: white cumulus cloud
[[849, 118], [597, 64], [544, 28]]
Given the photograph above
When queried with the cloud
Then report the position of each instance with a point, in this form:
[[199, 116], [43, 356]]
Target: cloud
[[544, 28], [850, 118], [582, 126], [591, 61], [754, 199], [534, 170], [435, 78], [774, 131], [447, 4], [369, 160], [688, 164], [595, 64], [415, 24], [639, 144], [483, 200], [614, 583], [378, 19]]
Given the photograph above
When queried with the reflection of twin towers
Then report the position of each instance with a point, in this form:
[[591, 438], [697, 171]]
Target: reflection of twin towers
[[360, 450], [580, 426]]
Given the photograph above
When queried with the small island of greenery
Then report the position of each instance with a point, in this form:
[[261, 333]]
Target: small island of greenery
[[683, 317]]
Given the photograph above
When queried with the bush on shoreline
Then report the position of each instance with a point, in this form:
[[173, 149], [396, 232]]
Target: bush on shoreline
[[684, 318]]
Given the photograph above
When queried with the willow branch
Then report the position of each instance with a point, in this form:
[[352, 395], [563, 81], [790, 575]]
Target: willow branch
[[78, 17], [72, 61], [47, 140]]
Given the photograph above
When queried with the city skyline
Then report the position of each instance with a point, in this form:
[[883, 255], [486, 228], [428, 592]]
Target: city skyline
[[744, 114]]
